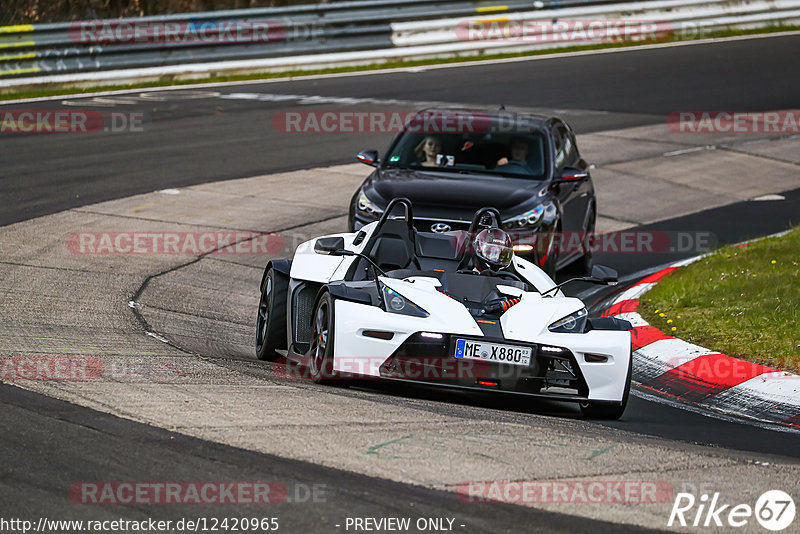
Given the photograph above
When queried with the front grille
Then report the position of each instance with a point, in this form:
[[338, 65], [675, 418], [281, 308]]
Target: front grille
[[433, 361]]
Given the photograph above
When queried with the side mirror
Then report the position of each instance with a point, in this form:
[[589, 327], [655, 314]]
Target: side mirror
[[329, 246], [370, 157], [605, 274], [571, 174]]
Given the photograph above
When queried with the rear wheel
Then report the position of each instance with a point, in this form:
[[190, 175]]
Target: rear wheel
[[609, 410], [271, 320]]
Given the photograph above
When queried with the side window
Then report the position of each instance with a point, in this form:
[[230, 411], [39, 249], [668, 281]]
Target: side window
[[566, 149], [561, 140], [572, 152]]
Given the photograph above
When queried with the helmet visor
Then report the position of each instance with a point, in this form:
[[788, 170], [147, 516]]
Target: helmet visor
[[496, 250]]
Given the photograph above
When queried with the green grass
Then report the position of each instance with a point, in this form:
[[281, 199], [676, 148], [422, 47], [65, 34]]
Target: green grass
[[169, 80], [740, 301]]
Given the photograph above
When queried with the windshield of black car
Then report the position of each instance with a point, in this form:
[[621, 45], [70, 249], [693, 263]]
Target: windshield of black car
[[517, 155]]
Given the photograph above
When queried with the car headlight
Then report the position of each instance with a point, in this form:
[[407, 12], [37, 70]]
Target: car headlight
[[365, 205], [394, 302], [529, 219], [573, 323]]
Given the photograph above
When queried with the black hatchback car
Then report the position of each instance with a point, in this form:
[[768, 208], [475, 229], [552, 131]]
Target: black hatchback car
[[449, 163]]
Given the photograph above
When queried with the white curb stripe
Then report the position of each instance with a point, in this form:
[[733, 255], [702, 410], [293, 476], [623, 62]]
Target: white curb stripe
[[634, 292], [771, 397]]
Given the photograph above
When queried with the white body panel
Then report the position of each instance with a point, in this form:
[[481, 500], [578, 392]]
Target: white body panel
[[527, 321]]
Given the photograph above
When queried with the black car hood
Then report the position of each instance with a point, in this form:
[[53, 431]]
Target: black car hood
[[465, 191]]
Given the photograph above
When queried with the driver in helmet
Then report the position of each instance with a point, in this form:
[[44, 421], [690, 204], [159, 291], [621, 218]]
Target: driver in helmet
[[493, 250]]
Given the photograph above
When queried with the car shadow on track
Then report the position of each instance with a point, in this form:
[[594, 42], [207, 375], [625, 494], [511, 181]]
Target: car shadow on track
[[449, 398]]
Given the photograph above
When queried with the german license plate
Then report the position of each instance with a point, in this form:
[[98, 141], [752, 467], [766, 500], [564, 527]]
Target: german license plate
[[493, 352]]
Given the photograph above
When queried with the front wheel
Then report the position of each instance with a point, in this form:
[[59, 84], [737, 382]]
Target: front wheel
[[609, 410], [584, 264], [271, 320], [321, 353], [551, 259]]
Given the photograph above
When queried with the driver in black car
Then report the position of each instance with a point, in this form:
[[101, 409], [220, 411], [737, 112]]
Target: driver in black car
[[518, 153]]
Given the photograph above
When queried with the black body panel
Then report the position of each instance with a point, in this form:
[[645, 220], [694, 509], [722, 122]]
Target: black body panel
[[445, 198]]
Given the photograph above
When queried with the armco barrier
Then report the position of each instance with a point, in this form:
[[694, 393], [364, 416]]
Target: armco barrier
[[335, 34], [682, 18], [267, 32]]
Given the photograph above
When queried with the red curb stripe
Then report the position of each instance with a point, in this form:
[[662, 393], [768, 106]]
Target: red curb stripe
[[793, 421], [706, 376], [641, 336], [656, 276], [623, 306]]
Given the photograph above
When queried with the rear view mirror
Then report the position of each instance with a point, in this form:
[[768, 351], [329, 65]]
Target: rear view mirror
[[370, 157], [330, 246], [605, 274]]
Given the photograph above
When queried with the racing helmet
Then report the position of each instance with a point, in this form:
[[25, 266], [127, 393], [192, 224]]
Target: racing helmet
[[493, 248]]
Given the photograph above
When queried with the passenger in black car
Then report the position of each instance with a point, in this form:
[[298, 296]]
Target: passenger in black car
[[427, 150]]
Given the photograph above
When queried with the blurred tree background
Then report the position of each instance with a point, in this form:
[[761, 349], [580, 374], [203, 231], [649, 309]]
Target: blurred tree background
[[40, 11]]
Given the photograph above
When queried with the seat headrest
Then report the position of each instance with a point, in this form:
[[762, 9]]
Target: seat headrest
[[390, 253]]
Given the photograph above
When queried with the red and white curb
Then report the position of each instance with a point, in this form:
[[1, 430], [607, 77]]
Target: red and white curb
[[702, 377]]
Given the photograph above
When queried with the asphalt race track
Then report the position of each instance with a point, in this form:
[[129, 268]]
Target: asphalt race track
[[124, 431], [190, 141]]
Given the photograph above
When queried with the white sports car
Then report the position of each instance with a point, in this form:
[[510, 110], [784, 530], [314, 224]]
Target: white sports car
[[454, 309]]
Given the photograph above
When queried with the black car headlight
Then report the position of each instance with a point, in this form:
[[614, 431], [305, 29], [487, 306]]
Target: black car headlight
[[394, 302], [529, 219], [574, 323], [366, 206]]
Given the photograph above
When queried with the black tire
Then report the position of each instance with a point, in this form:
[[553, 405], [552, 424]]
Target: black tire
[[610, 411], [271, 319], [584, 264], [351, 213], [550, 262], [320, 364]]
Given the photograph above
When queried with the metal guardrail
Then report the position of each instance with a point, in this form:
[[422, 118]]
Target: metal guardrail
[[657, 19], [331, 34], [61, 48]]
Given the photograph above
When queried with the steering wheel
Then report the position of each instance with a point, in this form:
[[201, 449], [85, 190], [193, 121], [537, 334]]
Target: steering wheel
[[515, 166]]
